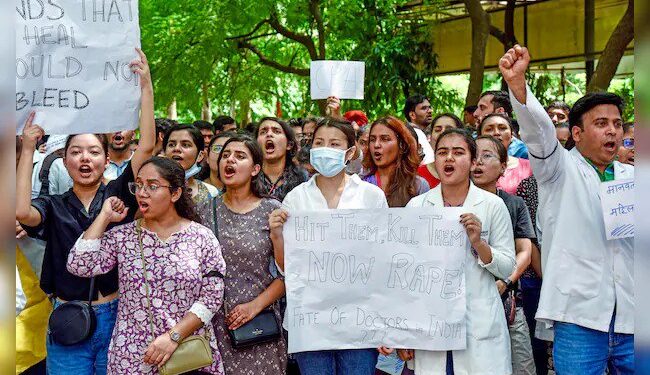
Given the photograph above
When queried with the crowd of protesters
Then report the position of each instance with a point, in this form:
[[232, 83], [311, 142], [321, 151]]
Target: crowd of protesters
[[200, 207]]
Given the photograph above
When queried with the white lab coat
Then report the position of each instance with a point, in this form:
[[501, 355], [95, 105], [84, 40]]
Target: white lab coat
[[585, 275], [488, 341]]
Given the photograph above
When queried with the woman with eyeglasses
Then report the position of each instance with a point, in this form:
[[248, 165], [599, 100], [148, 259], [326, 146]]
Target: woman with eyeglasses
[[499, 126], [490, 165], [333, 146], [170, 270], [214, 150], [61, 219], [626, 150]]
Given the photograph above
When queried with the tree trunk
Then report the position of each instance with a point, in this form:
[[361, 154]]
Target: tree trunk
[[171, 110], [206, 110], [322, 106], [480, 32], [613, 52], [245, 111]]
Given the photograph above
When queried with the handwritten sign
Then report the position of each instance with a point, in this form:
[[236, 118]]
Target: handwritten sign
[[617, 199], [343, 79], [72, 64], [363, 278]]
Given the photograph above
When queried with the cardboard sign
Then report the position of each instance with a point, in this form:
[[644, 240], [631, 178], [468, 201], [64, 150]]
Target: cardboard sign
[[72, 64], [617, 199], [364, 278]]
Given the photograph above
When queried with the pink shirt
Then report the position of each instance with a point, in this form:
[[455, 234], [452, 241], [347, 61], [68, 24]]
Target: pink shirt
[[513, 176]]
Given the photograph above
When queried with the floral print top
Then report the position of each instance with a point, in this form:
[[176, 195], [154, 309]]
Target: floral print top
[[181, 277]]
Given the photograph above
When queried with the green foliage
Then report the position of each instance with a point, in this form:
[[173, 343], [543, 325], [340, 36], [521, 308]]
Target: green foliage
[[192, 44]]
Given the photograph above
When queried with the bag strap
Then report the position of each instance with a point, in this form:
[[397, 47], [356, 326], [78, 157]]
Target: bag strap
[[138, 229], [92, 289], [44, 174]]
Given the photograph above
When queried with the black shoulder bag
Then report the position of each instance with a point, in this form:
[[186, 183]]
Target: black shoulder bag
[[262, 328], [73, 322]]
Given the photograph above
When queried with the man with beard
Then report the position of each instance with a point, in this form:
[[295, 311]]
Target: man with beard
[[119, 153]]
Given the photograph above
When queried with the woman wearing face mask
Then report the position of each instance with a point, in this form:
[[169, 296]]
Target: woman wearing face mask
[[490, 165], [239, 219], [183, 286], [214, 150], [492, 254], [184, 143], [392, 161], [61, 219], [500, 127], [333, 147], [278, 142]]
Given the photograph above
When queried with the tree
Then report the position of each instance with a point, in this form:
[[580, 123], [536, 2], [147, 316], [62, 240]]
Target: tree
[[613, 52], [480, 32]]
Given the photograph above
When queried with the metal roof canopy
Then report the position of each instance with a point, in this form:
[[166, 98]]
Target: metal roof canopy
[[553, 31]]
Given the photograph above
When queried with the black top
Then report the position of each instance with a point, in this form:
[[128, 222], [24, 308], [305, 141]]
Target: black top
[[292, 176], [63, 220], [521, 224]]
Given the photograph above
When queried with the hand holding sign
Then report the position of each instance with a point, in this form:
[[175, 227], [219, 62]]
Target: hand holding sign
[[32, 133], [141, 68]]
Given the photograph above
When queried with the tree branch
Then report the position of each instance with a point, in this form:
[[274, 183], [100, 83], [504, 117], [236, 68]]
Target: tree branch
[[303, 39], [247, 35], [314, 7], [614, 50], [273, 64]]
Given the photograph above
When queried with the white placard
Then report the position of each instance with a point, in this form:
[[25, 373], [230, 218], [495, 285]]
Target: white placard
[[364, 278], [72, 64], [617, 199], [343, 79]]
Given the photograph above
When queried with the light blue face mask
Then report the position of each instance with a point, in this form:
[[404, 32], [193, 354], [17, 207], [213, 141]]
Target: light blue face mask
[[192, 171], [327, 161]]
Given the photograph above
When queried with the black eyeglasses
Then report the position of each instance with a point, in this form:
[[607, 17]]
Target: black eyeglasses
[[134, 187]]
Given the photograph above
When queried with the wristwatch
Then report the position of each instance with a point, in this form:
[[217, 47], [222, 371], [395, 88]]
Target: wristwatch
[[508, 283], [175, 336]]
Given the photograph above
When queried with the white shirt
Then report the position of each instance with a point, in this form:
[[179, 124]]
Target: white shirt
[[356, 194], [429, 155], [585, 275], [21, 300], [488, 340]]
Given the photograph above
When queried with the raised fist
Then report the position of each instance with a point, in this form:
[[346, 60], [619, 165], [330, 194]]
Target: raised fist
[[514, 63]]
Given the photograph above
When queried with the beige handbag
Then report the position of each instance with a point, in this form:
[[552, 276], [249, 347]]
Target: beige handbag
[[193, 352]]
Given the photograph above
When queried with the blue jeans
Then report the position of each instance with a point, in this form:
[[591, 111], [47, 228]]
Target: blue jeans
[[583, 351], [89, 357], [337, 362]]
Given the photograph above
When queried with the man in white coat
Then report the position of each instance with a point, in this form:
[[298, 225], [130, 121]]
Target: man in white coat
[[587, 293]]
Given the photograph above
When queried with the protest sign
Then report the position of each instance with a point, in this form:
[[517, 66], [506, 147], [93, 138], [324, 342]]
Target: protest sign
[[72, 64], [343, 79], [617, 200], [364, 278]]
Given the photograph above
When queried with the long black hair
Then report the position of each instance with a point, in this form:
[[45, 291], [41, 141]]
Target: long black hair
[[171, 171], [258, 158]]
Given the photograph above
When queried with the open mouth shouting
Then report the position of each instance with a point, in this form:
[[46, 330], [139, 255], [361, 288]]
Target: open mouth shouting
[[144, 206], [377, 156], [478, 172], [86, 171], [229, 171], [448, 170], [269, 146], [610, 147]]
